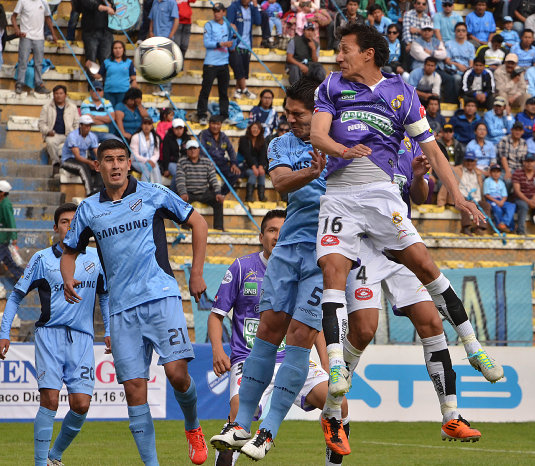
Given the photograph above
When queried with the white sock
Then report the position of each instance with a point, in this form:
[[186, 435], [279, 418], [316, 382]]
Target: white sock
[[351, 356]]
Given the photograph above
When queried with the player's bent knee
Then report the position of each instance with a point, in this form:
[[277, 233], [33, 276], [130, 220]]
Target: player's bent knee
[[335, 269], [80, 404], [272, 326], [300, 334], [49, 398]]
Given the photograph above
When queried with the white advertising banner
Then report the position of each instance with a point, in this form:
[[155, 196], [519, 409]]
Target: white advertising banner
[[19, 397], [392, 384]]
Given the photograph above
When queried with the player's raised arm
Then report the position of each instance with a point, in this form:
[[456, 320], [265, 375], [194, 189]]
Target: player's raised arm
[[285, 180], [443, 169], [67, 268], [199, 230]]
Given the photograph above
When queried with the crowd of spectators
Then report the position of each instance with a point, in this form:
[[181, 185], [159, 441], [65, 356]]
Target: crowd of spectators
[[484, 64]]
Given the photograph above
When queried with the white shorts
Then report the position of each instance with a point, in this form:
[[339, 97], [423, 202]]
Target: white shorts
[[316, 375], [374, 209], [400, 285]]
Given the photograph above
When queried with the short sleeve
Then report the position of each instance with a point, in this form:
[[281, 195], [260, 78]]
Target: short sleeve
[[228, 290], [413, 115], [173, 206], [18, 7], [174, 10], [131, 69], [322, 100], [79, 233], [503, 189], [277, 153], [94, 141], [486, 186], [34, 271]]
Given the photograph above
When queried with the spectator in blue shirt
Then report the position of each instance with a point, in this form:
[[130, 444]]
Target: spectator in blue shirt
[[395, 52], [80, 153], [163, 23], [130, 112], [499, 123], [484, 150], [100, 110], [377, 19], [461, 54], [527, 118], [480, 24], [118, 73], [495, 192], [525, 49], [218, 39], [444, 22], [510, 36], [464, 121]]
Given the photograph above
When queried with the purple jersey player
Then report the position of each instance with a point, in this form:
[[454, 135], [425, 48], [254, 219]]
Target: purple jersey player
[[240, 292], [360, 118]]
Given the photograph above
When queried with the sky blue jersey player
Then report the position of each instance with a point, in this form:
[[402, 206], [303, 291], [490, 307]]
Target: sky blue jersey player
[[63, 337], [127, 221], [291, 290]]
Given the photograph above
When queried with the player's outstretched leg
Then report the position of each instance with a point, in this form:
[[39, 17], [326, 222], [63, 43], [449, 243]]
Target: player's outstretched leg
[[258, 371], [42, 434], [451, 307], [70, 427], [289, 380]]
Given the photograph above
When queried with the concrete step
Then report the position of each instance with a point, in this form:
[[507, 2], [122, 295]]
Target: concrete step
[[43, 213], [16, 169], [23, 155], [33, 184], [37, 198]]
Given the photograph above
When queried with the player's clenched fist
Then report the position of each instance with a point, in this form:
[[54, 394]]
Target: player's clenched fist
[[4, 346], [221, 363]]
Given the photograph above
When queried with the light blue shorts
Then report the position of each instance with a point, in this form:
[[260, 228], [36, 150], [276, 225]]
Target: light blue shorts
[[63, 355], [293, 283], [158, 325]]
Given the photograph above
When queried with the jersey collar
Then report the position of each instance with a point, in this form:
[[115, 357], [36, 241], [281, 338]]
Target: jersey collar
[[131, 188], [56, 249]]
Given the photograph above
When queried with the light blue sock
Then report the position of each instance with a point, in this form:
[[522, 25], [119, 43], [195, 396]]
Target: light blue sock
[[142, 429], [70, 427], [289, 381], [188, 405], [257, 374], [42, 434]]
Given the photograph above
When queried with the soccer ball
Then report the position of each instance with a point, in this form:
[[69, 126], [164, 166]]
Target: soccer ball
[[158, 60]]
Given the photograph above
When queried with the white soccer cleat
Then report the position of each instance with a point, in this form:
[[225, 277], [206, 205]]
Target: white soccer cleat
[[50, 462], [339, 381], [488, 367], [232, 437], [259, 445]]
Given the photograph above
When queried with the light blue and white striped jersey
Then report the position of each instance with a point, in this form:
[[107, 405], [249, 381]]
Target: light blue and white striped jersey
[[301, 222], [131, 241]]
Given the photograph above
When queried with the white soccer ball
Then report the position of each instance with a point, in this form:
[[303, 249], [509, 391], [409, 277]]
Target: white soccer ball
[[158, 59]]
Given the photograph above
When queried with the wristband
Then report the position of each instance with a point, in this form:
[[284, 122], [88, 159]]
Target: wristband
[[344, 151]]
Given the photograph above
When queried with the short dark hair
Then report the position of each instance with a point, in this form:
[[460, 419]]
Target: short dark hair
[[275, 213], [132, 93], [123, 57], [373, 8], [264, 92], [479, 60], [367, 38], [303, 90], [460, 23], [433, 97], [480, 124], [497, 38], [431, 59], [469, 100], [58, 87], [110, 144], [353, 1], [67, 207], [526, 30]]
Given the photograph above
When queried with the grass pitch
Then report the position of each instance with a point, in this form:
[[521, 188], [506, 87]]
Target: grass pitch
[[299, 443]]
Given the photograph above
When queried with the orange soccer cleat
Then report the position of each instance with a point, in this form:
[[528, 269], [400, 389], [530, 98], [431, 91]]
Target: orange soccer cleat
[[197, 449], [459, 429], [335, 435]]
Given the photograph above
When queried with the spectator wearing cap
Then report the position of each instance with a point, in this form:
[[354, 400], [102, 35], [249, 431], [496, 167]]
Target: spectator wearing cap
[[495, 193], [495, 54], [243, 15], [525, 51], [480, 24], [100, 110], [218, 41], [145, 146], [524, 190], [196, 181], [79, 155], [444, 22], [527, 118], [377, 19], [470, 184], [426, 80], [174, 146], [218, 145], [427, 46], [302, 56], [510, 82], [452, 149], [512, 150], [498, 120], [163, 18], [510, 36], [7, 220], [58, 118], [478, 84], [432, 109], [130, 112], [460, 53], [413, 22], [484, 151], [464, 122]]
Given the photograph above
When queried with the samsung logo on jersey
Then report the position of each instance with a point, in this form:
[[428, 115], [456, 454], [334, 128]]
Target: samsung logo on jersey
[[112, 231], [379, 122], [86, 284]]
